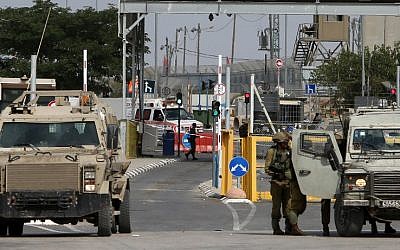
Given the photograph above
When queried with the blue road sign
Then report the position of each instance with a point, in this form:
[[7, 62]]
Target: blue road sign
[[185, 140], [311, 89], [238, 166]]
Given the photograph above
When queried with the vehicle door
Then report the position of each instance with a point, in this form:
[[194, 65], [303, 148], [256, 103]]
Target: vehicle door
[[316, 160]]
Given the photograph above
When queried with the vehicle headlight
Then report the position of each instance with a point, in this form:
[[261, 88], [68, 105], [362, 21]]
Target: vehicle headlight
[[361, 183], [90, 175], [89, 179], [355, 182]]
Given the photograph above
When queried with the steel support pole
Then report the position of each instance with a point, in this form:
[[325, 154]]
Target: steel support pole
[[251, 123], [219, 98], [156, 55], [33, 75], [398, 86], [228, 97], [124, 42], [84, 70], [123, 125]]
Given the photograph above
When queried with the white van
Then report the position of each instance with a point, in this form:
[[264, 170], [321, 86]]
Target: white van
[[158, 112]]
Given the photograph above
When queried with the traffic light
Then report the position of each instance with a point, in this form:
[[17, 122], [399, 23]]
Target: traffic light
[[393, 91], [179, 98], [215, 108], [247, 97]]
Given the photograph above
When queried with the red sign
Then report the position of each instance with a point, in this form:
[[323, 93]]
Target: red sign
[[278, 63]]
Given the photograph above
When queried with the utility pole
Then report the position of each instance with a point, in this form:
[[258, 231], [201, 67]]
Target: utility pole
[[362, 57], [198, 48], [198, 30], [184, 50], [176, 48], [155, 54], [233, 38], [166, 63]]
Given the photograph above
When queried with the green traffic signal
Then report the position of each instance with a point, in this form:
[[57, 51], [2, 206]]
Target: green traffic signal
[[179, 98], [215, 108]]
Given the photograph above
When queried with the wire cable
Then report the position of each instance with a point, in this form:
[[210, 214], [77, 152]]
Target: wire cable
[[44, 30], [251, 21]]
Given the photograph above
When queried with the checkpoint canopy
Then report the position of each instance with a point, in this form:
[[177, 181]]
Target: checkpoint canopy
[[238, 166]]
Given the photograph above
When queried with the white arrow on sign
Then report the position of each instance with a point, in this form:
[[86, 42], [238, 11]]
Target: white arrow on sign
[[243, 168]]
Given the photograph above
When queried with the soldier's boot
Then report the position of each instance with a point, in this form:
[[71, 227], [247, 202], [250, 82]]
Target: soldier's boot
[[389, 229], [275, 227], [325, 230], [288, 226], [296, 230]]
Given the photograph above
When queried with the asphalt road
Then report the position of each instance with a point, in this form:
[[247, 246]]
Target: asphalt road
[[170, 212]]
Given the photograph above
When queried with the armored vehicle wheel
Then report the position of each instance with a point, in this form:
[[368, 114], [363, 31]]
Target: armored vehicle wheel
[[105, 221], [348, 220], [3, 228], [124, 218], [15, 228]]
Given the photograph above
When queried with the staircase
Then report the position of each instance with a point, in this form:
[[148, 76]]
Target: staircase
[[306, 45]]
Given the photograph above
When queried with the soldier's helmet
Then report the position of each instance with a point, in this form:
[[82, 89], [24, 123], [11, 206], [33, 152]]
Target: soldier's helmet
[[280, 137]]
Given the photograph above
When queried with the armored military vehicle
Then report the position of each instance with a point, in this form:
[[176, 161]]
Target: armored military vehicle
[[366, 181], [60, 160]]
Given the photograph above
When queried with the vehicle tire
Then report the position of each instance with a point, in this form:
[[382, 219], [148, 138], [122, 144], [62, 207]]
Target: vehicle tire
[[348, 220], [124, 218], [105, 220], [15, 228], [3, 228]]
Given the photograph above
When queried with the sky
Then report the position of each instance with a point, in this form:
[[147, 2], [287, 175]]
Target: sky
[[215, 38]]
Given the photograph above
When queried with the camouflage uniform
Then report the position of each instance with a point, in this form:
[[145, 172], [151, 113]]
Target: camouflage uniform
[[277, 164], [296, 205]]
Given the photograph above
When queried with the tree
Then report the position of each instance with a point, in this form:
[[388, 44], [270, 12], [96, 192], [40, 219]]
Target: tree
[[345, 72], [61, 53]]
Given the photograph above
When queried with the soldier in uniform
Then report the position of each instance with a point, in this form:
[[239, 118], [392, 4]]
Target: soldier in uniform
[[296, 205], [277, 165]]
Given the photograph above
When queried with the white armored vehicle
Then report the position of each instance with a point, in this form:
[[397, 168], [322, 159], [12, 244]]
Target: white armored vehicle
[[60, 160], [366, 181]]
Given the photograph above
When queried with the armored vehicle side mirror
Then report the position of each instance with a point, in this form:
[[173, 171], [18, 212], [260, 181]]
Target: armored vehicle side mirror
[[112, 136]]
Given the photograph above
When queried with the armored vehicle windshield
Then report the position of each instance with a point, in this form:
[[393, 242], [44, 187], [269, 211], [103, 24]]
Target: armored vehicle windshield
[[380, 140], [62, 134]]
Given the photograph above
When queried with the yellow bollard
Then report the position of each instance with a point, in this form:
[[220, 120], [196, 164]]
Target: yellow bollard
[[249, 181], [227, 155]]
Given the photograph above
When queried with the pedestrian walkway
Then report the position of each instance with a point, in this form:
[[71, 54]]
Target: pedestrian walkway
[[145, 164]]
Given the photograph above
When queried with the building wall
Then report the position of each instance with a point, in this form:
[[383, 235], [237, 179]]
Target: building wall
[[378, 30]]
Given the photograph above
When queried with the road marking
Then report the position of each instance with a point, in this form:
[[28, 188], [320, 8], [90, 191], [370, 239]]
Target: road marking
[[236, 225]]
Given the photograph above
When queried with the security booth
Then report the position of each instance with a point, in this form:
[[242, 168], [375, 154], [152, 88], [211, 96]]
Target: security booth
[[11, 88]]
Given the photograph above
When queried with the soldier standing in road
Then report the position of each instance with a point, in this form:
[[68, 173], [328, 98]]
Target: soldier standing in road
[[277, 165], [296, 205], [192, 140], [325, 215]]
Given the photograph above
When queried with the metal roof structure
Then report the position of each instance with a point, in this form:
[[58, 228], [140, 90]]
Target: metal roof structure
[[290, 7], [133, 12]]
